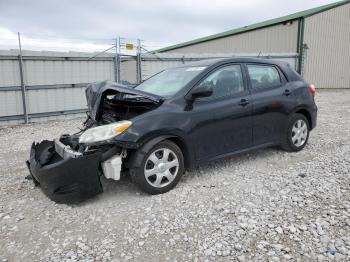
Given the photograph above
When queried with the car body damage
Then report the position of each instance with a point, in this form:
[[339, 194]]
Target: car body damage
[[69, 171], [110, 102], [64, 180]]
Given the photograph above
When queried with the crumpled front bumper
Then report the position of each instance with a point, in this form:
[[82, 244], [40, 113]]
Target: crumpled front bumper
[[68, 180]]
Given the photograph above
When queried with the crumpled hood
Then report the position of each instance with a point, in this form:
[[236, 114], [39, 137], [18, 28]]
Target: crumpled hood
[[95, 92]]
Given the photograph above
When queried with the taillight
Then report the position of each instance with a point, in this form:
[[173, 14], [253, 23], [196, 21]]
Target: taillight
[[312, 90]]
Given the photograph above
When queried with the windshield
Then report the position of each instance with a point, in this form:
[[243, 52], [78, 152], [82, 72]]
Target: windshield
[[170, 81]]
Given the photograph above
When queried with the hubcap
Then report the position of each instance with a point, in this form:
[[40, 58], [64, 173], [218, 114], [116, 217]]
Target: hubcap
[[161, 167], [299, 133]]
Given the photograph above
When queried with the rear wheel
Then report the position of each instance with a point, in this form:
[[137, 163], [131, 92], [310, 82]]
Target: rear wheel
[[161, 168], [296, 133]]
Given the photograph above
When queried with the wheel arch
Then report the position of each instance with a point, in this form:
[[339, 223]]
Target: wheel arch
[[137, 155], [184, 149], [306, 113]]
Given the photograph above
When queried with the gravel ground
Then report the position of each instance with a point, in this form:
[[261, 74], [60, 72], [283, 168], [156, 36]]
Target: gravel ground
[[268, 205]]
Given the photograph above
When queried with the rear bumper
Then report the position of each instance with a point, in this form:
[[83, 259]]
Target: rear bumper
[[67, 180]]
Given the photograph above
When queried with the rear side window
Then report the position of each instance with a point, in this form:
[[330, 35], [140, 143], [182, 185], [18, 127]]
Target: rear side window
[[263, 76]]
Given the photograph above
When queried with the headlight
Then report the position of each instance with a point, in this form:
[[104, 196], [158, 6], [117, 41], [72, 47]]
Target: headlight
[[102, 133]]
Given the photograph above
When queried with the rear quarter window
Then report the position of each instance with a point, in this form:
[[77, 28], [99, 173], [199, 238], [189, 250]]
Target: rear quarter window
[[263, 76]]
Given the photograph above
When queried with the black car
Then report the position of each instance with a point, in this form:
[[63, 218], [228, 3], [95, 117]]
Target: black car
[[179, 118]]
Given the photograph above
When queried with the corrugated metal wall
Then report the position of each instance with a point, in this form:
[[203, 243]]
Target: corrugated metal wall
[[327, 35], [55, 83], [66, 72], [273, 39], [9, 72], [128, 70]]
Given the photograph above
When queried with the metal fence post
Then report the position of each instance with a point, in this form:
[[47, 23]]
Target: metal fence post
[[117, 60], [303, 60], [119, 63], [138, 62], [23, 87], [115, 69]]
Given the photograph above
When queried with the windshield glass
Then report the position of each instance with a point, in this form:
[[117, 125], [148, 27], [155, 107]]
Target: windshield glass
[[170, 81]]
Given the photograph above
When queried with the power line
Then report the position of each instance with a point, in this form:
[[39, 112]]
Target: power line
[[102, 52], [67, 37]]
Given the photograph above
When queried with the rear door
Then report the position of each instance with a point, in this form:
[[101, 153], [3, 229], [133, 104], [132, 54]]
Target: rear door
[[225, 118], [271, 100]]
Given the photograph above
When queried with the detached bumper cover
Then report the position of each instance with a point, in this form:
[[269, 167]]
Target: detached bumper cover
[[64, 180]]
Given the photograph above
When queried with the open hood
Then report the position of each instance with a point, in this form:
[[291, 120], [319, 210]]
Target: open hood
[[97, 92]]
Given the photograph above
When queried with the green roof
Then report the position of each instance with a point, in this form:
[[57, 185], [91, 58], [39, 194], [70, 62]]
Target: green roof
[[267, 23]]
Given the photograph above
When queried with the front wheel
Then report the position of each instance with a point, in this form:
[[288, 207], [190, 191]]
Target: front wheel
[[161, 168], [296, 133]]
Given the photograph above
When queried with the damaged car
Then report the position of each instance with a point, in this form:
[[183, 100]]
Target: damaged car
[[179, 118]]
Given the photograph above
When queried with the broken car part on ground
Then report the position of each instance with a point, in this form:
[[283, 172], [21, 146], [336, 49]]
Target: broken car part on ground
[[179, 118]]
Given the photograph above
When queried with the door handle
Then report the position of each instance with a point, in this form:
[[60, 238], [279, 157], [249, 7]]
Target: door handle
[[287, 92], [243, 102]]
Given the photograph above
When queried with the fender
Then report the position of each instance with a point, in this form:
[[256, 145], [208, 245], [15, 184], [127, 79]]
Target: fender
[[309, 116], [300, 107], [136, 157]]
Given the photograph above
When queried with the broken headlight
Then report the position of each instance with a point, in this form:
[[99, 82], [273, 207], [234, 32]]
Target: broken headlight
[[103, 133]]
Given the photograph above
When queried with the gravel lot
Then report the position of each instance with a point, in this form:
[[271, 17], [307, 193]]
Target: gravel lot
[[263, 206]]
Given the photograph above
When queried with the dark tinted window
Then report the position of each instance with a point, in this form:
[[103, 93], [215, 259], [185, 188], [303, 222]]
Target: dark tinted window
[[226, 81], [262, 76]]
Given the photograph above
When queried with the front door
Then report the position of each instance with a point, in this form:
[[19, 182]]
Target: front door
[[224, 120]]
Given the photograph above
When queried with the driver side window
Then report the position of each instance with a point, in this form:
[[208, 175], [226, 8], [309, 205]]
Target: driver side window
[[225, 81]]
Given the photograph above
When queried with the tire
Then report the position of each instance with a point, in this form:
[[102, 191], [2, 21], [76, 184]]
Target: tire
[[293, 141], [164, 177]]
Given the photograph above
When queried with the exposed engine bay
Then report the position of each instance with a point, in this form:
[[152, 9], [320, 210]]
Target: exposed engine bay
[[109, 102], [120, 106]]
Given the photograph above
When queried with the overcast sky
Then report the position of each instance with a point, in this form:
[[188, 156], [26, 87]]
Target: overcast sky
[[91, 25]]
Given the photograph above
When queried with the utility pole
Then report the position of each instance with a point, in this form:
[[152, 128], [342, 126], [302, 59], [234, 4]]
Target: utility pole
[[23, 87]]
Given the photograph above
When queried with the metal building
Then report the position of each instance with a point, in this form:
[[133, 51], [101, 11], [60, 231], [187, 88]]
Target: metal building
[[321, 37]]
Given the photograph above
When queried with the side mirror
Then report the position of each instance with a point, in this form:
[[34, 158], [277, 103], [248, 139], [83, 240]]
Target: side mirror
[[203, 90]]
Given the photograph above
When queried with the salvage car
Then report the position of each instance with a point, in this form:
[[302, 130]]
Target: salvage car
[[180, 118]]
